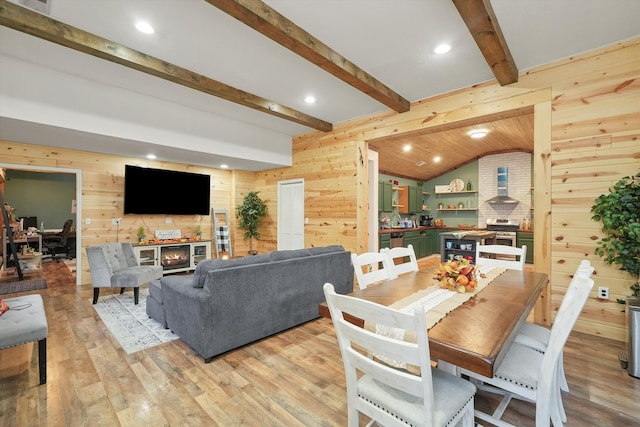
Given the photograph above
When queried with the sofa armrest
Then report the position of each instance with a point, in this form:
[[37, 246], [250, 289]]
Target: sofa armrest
[[189, 311]]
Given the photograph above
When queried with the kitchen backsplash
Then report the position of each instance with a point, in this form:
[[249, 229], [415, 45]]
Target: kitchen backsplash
[[519, 185]]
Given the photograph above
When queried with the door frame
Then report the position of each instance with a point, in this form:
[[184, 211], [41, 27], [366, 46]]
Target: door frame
[[78, 174]]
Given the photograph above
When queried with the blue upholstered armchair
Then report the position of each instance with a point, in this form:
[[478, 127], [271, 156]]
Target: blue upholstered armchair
[[114, 265]]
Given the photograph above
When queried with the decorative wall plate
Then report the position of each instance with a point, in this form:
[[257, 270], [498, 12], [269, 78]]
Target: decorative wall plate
[[456, 185]]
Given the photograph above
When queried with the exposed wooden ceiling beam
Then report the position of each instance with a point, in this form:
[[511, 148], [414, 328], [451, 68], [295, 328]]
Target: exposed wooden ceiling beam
[[35, 24], [272, 24], [479, 18]]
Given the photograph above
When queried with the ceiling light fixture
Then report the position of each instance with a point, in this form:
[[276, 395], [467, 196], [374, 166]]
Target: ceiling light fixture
[[309, 99], [443, 48], [406, 148], [478, 133], [151, 156], [437, 159], [223, 166], [145, 27]]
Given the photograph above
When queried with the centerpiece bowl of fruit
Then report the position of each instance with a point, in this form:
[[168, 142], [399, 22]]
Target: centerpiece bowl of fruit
[[458, 275]]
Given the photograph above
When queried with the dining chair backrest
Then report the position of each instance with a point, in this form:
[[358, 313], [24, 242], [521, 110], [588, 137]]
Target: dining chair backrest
[[367, 268], [368, 378], [502, 256], [401, 253], [576, 297]]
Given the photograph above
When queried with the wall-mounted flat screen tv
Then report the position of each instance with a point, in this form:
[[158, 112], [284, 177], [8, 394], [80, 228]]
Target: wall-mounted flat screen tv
[[159, 191]]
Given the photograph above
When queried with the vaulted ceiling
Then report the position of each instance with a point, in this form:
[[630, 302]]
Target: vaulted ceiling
[[228, 77]]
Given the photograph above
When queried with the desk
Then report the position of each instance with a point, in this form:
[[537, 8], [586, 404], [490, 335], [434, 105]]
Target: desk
[[476, 335], [34, 241]]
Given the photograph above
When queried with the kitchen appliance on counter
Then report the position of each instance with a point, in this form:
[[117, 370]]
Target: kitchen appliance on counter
[[426, 220], [506, 232]]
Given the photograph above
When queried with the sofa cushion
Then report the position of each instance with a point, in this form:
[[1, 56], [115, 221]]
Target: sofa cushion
[[325, 249], [203, 267], [288, 254]]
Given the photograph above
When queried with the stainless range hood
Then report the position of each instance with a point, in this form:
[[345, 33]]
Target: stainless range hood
[[503, 189]]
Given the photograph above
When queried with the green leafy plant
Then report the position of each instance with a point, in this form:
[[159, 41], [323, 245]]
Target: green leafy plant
[[141, 233], [619, 213], [250, 214], [198, 230]]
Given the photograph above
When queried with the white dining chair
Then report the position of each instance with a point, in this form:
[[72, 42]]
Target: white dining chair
[[529, 375], [368, 268], [494, 256], [392, 396], [401, 253], [537, 336]]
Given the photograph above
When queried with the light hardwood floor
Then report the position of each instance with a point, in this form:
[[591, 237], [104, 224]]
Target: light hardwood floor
[[294, 378]]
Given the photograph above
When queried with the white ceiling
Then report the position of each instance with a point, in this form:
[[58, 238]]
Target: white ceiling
[[94, 105]]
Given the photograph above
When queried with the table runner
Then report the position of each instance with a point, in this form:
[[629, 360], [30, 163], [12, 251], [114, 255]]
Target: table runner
[[438, 302]]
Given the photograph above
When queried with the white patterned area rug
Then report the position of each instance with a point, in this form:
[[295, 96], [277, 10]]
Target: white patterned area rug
[[129, 323]]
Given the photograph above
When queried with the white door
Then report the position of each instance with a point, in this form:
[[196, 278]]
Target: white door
[[291, 214]]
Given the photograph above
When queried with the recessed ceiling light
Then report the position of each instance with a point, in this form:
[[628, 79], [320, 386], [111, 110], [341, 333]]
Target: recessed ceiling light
[[145, 27], [478, 133], [406, 148], [310, 99], [224, 166], [436, 159], [443, 48], [151, 156]]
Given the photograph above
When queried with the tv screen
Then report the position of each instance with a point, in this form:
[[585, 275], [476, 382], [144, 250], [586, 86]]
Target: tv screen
[[158, 191]]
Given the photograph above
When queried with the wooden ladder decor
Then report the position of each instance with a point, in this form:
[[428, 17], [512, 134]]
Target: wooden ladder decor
[[221, 232]]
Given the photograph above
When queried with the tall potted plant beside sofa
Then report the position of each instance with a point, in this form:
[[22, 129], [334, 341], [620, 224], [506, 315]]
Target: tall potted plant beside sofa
[[250, 214]]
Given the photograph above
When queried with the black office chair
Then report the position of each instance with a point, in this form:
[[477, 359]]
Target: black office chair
[[58, 241]]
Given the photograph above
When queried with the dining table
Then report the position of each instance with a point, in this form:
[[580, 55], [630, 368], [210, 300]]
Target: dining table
[[477, 334]]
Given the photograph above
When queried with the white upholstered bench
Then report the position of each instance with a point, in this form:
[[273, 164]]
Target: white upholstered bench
[[24, 322]]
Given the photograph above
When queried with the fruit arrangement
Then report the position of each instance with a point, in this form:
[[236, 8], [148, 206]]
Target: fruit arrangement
[[459, 276]]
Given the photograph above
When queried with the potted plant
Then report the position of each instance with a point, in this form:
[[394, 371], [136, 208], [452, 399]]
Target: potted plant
[[619, 213], [141, 233], [250, 214], [198, 231]]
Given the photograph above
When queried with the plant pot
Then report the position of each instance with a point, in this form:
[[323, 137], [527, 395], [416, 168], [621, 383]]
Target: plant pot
[[253, 252]]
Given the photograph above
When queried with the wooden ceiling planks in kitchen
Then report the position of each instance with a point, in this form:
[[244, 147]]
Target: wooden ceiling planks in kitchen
[[507, 133]]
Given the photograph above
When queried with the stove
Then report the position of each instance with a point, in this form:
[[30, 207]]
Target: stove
[[505, 230]]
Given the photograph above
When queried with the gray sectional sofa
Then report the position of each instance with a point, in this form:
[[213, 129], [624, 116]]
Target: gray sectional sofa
[[229, 303]]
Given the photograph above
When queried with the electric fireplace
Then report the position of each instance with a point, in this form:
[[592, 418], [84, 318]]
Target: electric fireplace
[[175, 257]]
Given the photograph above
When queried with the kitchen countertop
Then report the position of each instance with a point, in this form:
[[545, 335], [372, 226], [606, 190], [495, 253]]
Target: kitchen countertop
[[404, 230]]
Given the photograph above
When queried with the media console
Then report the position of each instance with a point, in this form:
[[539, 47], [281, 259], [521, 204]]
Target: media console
[[174, 257]]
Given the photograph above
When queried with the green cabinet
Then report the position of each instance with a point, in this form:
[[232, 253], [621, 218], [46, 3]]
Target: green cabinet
[[424, 245], [385, 196], [432, 243], [415, 200], [413, 238], [385, 241], [526, 238]]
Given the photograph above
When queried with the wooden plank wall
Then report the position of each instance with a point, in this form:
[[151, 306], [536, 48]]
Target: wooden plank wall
[[587, 122], [595, 142], [584, 144], [102, 193]]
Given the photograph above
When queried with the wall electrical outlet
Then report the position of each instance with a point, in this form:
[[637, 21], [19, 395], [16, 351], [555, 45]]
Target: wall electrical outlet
[[115, 221], [87, 221], [603, 293]]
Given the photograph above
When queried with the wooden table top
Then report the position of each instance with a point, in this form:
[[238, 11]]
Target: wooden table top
[[474, 335]]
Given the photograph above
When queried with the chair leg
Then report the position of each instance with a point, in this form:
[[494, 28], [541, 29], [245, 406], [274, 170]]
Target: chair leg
[[136, 295], [42, 360], [96, 294]]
